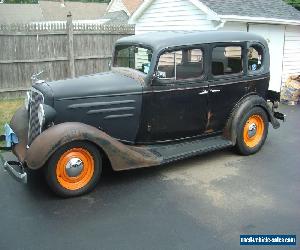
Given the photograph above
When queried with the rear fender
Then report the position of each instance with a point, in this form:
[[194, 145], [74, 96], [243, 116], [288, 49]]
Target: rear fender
[[241, 108], [121, 156]]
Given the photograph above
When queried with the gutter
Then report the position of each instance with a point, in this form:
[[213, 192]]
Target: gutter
[[247, 19]]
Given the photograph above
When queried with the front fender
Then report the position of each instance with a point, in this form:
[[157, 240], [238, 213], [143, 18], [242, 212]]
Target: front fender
[[121, 156], [240, 109]]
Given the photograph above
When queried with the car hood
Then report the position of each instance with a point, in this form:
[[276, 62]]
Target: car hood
[[107, 83]]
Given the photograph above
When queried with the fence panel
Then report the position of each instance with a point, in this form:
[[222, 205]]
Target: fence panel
[[31, 48]]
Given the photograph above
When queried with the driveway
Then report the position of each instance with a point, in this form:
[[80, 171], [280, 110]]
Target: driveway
[[202, 203]]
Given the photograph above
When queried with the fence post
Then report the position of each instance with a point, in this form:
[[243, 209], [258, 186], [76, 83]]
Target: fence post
[[70, 45]]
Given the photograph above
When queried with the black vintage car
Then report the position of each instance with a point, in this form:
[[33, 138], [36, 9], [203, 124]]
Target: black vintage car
[[168, 96]]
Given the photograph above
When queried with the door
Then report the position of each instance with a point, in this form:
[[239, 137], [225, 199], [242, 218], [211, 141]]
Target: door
[[274, 34], [227, 83], [176, 103]]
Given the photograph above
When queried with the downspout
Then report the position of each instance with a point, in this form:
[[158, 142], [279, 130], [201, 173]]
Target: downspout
[[221, 25]]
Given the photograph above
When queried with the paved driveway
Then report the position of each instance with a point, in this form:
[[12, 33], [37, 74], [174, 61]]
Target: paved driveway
[[202, 203]]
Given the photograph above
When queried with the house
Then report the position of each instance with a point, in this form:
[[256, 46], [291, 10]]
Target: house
[[276, 21], [129, 6]]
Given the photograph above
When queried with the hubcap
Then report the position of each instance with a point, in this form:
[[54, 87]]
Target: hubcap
[[252, 130], [74, 167]]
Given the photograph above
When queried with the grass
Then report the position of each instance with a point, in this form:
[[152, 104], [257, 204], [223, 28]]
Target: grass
[[7, 109]]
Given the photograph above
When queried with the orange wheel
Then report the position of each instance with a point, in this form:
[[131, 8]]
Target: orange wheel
[[253, 130], [75, 168]]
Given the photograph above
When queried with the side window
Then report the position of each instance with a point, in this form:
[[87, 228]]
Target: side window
[[181, 64], [227, 60], [255, 58]]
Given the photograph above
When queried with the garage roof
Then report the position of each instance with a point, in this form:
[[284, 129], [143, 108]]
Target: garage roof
[[254, 8]]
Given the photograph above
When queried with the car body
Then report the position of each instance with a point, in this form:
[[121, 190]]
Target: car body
[[168, 96]]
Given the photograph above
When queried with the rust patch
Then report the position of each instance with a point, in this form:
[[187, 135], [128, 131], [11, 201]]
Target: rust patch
[[209, 116]]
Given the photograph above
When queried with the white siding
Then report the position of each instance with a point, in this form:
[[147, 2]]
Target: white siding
[[172, 15], [274, 34], [234, 26], [117, 5], [291, 59]]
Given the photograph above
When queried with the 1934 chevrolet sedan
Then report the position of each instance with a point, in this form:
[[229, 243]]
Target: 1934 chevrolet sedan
[[168, 96]]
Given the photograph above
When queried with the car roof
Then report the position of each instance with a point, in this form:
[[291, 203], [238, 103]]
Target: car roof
[[163, 39]]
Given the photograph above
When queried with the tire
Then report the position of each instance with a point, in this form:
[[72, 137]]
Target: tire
[[252, 131], [85, 167]]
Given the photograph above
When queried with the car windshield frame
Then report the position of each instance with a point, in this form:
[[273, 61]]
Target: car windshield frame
[[138, 46]]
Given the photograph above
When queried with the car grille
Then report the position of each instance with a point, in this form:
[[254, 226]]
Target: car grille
[[34, 126]]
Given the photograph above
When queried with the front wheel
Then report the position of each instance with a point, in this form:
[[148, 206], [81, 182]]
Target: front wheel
[[74, 169], [252, 131]]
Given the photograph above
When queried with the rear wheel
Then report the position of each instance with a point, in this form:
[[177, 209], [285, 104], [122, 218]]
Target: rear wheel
[[252, 131], [74, 169]]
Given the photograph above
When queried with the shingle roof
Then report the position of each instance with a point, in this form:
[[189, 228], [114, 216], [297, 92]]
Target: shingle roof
[[254, 8], [20, 13], [50, 11], [53, 11], [116, 17]]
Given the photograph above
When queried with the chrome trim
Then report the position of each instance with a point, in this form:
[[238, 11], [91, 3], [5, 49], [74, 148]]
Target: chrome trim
[[32, 89], [118, 116], [204, 92], [215, 90], [95, 96], [96, 111], [96, 104]]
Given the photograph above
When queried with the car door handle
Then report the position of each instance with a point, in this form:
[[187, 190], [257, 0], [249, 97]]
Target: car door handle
[[215, 90], [204, 92]]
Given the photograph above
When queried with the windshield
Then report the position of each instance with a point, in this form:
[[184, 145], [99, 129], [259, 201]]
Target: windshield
[[133, 57]]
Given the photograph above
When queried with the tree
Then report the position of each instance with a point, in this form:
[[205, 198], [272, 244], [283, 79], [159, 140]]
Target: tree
[[294, 3]]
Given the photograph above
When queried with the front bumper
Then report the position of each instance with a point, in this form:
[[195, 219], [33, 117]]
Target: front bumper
[[13, 168]]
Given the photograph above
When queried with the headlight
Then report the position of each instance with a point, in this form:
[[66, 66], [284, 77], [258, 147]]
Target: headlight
[[41, 115], [27, 100]]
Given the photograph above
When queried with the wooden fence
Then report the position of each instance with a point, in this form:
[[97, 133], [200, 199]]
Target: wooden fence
[[60, 50]]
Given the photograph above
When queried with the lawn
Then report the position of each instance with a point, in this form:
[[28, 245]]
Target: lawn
[[7, 109]]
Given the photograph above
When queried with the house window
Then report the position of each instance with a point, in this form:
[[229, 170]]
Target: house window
[[255, 58], [227, 60], [181, 65]]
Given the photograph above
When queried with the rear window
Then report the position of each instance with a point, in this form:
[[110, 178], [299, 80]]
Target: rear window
[[227, 60], [255, 58]]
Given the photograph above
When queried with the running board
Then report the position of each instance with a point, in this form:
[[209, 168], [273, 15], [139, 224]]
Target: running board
[[177, 151]]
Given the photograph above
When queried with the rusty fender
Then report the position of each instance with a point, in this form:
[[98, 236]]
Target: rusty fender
[[240, 109], [121, 156], [19, 124]]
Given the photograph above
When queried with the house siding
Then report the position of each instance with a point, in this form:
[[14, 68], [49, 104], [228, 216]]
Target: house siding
[[291, 58], [184, 16]]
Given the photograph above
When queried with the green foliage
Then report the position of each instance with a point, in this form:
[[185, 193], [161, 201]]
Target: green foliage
[[294, 3]]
